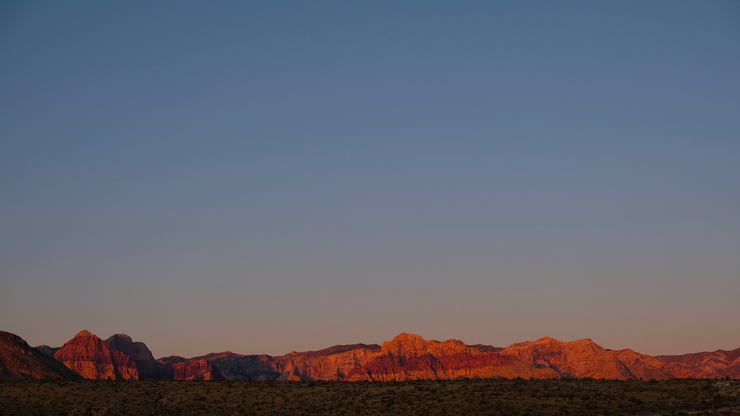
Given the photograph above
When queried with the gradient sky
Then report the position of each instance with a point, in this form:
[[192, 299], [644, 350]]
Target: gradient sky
[[264, 177]]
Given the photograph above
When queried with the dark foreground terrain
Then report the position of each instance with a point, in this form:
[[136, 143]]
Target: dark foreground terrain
[[452, 397]]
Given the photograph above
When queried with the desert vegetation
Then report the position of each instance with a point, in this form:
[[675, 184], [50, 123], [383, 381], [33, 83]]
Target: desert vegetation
[[440, 397]]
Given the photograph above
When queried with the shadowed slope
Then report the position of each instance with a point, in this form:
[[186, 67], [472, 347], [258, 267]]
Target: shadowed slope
[[18, 361], [139, 353], [47, 350]]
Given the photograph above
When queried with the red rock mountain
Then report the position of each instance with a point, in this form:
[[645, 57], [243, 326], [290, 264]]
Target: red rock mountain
[[18, 361], [410, 357], [92, 358], [406, 357], [717, 364]]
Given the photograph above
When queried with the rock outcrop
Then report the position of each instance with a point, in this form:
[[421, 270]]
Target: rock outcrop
[[18, 361], [92, 358], [716, 364], [143, 359]]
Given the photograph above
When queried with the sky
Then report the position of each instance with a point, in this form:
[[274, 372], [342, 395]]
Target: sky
[[263, 177]]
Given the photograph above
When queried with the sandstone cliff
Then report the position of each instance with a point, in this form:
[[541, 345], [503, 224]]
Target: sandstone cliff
[[92, 358], [411, 357], [18, 361], [334, 363]]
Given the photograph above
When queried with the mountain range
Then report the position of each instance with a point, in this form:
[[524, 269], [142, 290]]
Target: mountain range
[[405, 357]]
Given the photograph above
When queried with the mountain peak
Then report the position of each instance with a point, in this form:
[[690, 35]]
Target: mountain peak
[[92, 358], [547, 340], [405, 336], [584, 341], [405, 344]]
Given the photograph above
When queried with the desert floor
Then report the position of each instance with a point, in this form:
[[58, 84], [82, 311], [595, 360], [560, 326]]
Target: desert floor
[[454, 397]]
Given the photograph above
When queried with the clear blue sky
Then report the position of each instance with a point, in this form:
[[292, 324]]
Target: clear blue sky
[[267, 176]]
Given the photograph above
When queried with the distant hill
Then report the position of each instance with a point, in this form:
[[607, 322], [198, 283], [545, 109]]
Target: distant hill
[[717, 364], [18, 361], [47, 350]]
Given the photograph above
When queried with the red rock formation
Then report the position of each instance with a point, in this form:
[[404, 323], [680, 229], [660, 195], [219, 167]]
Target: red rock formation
[[18, 361], [219, 366], [585, 358], [165, 370], [139, 353], [92, 358], [717, 364], [410, 357], [194, 369], [406, 357], [335, 363]]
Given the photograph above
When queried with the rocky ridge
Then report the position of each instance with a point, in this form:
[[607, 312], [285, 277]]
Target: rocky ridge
[[716, 364], [586, 359], [411, 357], [18, 361], [405, 357]]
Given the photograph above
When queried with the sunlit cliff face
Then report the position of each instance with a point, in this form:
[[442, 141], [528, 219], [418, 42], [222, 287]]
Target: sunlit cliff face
[[92, 358]]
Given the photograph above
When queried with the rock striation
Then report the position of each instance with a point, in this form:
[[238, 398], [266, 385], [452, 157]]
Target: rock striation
[[92, 358], [18, 361], [716, 364]]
